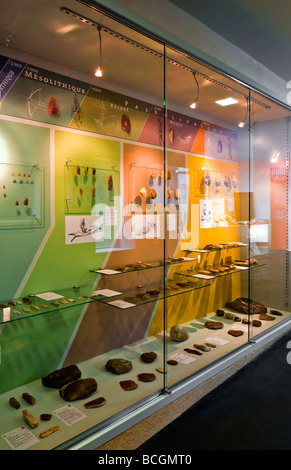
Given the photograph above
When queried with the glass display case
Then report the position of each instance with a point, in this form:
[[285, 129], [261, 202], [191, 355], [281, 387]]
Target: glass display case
[[145, 221]]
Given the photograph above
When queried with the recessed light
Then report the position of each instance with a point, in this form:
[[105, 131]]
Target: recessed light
[[226, 102]]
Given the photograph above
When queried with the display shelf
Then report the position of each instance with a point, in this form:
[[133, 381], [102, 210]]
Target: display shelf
[[202, 274], [146, 294], [223, 247], [140, 266], [39, 304], [48, 400]]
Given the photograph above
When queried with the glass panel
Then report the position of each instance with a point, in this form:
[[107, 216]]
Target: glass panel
[[210, 153], [157, 221], [269, 233], [87, 285]]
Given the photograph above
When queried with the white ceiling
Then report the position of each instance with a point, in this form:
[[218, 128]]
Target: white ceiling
[[41, 29]]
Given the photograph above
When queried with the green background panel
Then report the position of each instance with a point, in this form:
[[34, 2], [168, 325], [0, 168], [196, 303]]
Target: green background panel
[[62, 266], [33, 347], [22, 144]]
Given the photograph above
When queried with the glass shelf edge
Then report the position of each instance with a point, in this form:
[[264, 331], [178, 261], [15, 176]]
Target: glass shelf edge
[[171, 263], [215, 249], [125, 296], [231, 271]]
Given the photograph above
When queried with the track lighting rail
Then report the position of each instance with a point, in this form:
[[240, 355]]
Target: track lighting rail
[[147, 49]]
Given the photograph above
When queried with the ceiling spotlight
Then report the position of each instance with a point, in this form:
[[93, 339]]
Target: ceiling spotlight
[[99, 72], [193, 105]]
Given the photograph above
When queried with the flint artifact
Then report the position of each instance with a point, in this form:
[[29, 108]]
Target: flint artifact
[[78, 389], [61, 377]]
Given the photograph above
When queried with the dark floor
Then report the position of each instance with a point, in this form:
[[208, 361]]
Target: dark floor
[[250, 411]]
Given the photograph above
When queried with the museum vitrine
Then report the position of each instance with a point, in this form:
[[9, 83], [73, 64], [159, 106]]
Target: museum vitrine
[[144, 220]]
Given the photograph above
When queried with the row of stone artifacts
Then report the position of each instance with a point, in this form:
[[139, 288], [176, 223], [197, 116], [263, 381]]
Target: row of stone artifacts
[[73, 387]]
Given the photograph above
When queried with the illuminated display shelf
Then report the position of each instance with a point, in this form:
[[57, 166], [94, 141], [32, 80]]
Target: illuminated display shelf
[[235, 270], [33, 305], [151, 293], [140, 266], [224, 247]]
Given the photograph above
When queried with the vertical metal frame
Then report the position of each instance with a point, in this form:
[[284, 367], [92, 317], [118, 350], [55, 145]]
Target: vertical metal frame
[[288, 257]]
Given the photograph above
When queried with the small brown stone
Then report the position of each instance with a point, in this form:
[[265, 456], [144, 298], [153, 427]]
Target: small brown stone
[[118, 366], [48, 432], [78, 389], [236, 319], [220, 312], [202, 347], [235, 333], [60, 377], [213, 325], [229, 316], [266, 317], [193, 351], [161, 370], [28, 398], [172, 362], [153, 292], [178, 333], [276, 312], [211, 345], [95, 403], [29, 419], [256, 323], [146, 377], [245, 321], [128, 385], [148, 356], [14, 403], [45, 417]]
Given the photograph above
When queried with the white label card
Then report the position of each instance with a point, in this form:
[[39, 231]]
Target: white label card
[[180, 357], [203, 276], [69, 415], [20, 438], [215, 340], [121, 304], [106, 292], [49, 296], [109, 272]]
